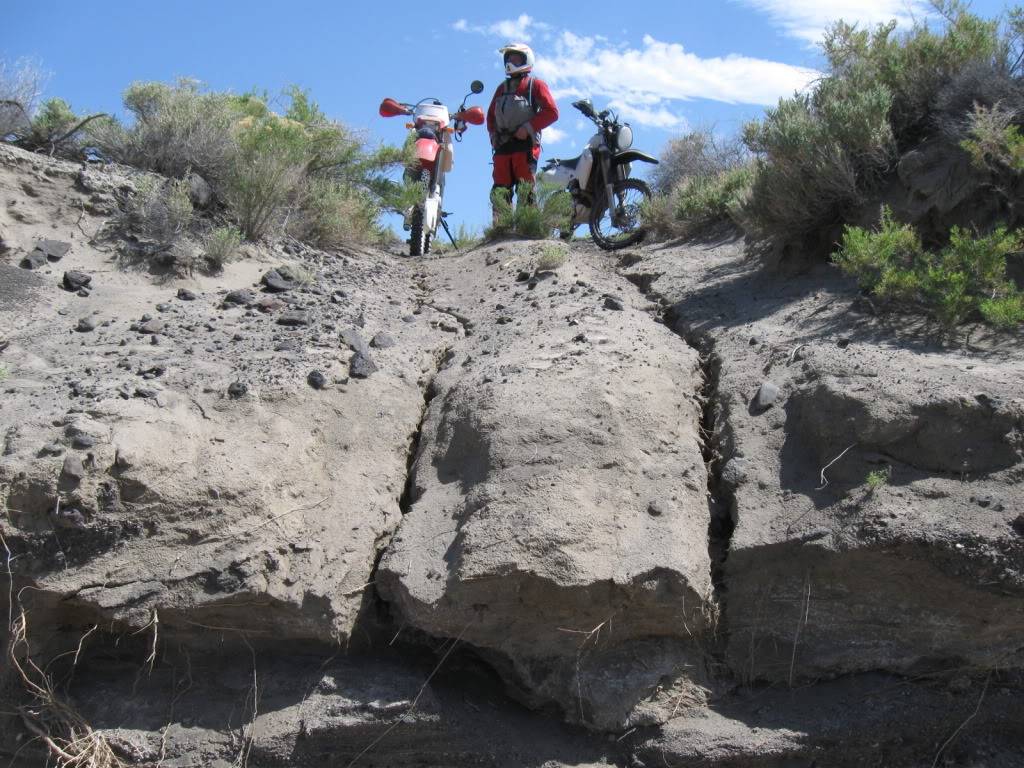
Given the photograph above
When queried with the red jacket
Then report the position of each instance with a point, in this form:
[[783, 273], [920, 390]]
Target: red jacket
[[547, 113]]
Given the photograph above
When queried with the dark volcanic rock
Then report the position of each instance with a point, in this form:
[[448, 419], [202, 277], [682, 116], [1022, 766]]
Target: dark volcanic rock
[[52, 250], [199, 191], [237, 389], [151, 326], [86, 324], [269, 304], [73, 468], [613, 302], [186, 295], [82, 442], [382, 341], [361, 366], [316, 380], [354, 340], [294, 317], [34, 260], [277, 283], [241, 297], [75, 280]]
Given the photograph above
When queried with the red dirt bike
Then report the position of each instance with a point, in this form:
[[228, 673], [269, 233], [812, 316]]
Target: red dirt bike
[[434, 159]]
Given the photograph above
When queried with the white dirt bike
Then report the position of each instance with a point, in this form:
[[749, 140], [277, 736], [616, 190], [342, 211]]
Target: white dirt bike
[[598, 179], [435, 157]]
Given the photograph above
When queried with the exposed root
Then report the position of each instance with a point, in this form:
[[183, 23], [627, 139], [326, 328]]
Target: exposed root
[[595, 635], [964, 724], [824, 480], [69, 739], [242, 759], [415, 700], [801, 622]]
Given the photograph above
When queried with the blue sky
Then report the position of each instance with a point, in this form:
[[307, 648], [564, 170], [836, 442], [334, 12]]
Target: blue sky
[[664, 65]]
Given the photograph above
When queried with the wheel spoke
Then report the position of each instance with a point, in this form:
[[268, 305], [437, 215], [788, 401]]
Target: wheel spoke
[[620, 224]]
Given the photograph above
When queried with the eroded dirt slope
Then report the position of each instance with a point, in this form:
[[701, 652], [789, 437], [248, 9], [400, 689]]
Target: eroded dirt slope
[[459, 511]]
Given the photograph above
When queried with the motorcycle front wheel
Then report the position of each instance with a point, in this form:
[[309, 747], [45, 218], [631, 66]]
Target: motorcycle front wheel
[[619, 224], [419, 238]]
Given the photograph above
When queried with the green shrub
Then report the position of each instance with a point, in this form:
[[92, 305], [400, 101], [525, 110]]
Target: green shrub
[[878, 478], [299, 170], [1004, 312], [159, 210], [265, 172], [993, 142], [913, 66], [699, 202], [221, 246], [816, 154], [176, 129], [330, 214], [823, 154], [550, 212], [967, 277], [54, 119], [553, 255]]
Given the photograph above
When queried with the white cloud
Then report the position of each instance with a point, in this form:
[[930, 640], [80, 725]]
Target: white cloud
[[808, 19], [511, 30], [643, 82], [553, 135], [658, 117]]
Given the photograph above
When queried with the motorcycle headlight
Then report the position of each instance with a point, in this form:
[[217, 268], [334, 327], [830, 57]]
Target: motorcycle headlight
[[624, 138]]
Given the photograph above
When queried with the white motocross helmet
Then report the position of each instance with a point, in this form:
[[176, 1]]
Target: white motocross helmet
[[511, 69]]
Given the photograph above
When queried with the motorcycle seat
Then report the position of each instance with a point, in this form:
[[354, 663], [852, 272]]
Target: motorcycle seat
[[570, 163]]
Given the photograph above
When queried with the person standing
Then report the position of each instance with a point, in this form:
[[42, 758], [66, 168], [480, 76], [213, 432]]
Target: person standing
[[522, 107]]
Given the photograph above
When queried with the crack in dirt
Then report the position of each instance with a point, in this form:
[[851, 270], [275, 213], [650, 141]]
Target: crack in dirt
[[406, 500]]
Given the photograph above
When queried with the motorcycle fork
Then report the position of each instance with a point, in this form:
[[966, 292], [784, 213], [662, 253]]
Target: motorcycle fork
[[609, 186]]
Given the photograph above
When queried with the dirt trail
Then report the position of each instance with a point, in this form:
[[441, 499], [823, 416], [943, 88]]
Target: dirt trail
[[461, 511]]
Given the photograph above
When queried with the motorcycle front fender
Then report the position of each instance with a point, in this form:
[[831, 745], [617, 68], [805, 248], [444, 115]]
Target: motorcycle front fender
[[631, 155], [426, 151]]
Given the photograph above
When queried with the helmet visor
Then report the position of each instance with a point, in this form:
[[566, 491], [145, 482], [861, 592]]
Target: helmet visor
[[515, 58]]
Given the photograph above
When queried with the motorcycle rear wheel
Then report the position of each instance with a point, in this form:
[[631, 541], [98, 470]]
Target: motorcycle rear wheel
[[620, 226]]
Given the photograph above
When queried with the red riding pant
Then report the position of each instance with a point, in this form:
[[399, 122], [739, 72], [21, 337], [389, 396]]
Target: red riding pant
[[515, 167]]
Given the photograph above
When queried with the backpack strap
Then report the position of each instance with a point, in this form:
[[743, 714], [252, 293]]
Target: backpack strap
[[521, 86]]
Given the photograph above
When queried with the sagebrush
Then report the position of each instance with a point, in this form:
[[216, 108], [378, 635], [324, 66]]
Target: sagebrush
[[965, 279], [825, 155], [699, 203], [298, 172]]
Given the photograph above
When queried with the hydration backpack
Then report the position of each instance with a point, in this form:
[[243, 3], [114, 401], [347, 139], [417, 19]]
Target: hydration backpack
[[513, 108]]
